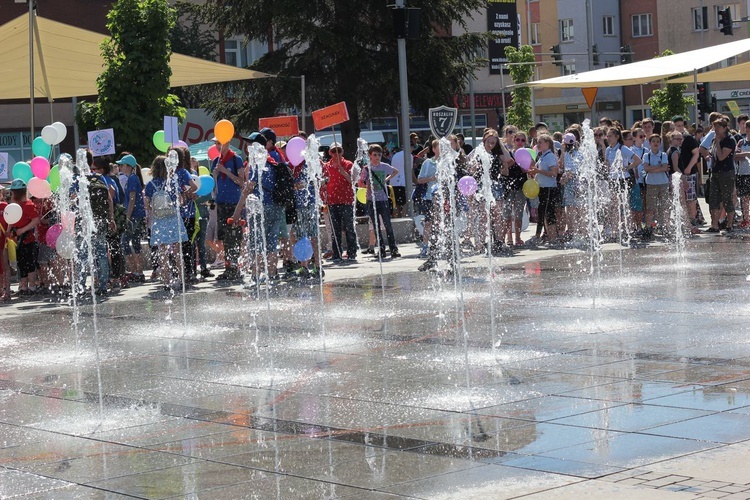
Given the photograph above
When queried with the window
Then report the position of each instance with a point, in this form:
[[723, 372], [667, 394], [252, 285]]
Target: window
[[734, 10], [642, 25], [728, 62], [609, 64], [566, 30], [569, 69], [535, 34], [700, 18], [608, 25], [234, 52]]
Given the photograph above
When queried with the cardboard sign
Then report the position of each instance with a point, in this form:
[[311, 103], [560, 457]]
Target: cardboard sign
[[102, 142], [4, 170], [170, 130], [330, 116], [282, 125]]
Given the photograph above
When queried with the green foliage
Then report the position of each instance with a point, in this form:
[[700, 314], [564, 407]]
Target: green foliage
[[519, 113], [134, 86], [669, 101], [348, 52]]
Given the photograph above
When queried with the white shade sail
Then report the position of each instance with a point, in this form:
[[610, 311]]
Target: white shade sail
[[649, 70], [68, 60], [736, 73]]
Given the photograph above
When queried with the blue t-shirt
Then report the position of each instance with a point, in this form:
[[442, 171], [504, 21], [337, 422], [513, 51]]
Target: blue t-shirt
[[546, 162], [134, 186], [227, 191], [429, 169], [627, 159], [268, 182], [655, 160], [110, 182], [187, 211]]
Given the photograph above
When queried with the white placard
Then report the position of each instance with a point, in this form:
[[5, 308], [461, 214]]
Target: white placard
[[171, 135], [4, 168], [102, 142]]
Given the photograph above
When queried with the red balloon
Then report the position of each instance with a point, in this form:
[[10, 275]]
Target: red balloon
[[213, 152]]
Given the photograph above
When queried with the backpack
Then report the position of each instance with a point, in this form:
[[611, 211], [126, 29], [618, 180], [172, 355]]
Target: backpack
[[283, 189], [161, 203], [99, 197]]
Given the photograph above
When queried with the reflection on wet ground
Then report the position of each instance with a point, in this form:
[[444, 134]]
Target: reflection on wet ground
[[581, 378]]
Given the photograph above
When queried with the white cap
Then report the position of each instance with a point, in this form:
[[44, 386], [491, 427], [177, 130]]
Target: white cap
[[335, 145]]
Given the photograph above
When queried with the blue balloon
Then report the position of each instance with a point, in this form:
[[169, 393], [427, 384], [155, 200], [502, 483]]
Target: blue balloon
[[41, 148], [207, 185], [303, 250]]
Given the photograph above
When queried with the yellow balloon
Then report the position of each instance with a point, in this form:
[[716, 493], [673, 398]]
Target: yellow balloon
[[203, 171], [362, 195], [531, 189], [224, 131]]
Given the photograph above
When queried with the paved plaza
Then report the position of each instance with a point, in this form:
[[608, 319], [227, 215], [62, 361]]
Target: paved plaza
[[631, 384]]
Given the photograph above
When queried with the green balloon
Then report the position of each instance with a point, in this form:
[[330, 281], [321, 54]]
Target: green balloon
[[159, 141], [22, 170], [41, 148], [54, 178]]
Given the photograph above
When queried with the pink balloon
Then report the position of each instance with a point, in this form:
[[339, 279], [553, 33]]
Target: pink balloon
[[180, 144], [523, 158], [467, 185], [213, 152], [39, 188], [52, 234], [295, 149], [40, 167]]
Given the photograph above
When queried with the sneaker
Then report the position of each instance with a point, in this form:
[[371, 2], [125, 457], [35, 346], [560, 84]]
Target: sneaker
[[369, 251], [728, 230], [712, 230], [427, 265], [395, 254], [229, 275], [316, 271], [328, 254], [206, 273], [303, 273], [423, 252]]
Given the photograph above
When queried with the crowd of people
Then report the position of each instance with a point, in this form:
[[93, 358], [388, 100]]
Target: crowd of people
[[259, 212]]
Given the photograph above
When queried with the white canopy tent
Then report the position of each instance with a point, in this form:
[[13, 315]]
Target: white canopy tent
[[736, 73], [650, 70]]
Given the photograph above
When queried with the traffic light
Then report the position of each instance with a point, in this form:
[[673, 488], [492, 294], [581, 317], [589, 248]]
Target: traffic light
[[725, 21], [556, 55], [704, 103], [626, 55], [595, 54]]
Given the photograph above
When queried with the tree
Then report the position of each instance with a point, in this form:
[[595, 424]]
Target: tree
[[347, 52], [669, 100], [134, 86], [519, 113], [188, 37]]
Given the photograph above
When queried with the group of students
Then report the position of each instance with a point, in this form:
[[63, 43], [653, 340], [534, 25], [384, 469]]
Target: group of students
[[631, 177]]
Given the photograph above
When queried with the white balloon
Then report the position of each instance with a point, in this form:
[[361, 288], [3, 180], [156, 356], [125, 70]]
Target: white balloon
[[146, 173], [62, 131], [49, 135], [66, 245], [13, 213]]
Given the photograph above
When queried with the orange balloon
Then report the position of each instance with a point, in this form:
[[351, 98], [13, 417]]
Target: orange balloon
[[224, 131]]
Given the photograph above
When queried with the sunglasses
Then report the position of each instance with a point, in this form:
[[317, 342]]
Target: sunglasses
[[520, 139], [510, 132], [336, 150]]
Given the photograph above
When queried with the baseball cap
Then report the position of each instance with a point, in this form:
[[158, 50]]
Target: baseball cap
[[334, 145], [256, 137], [269, 134], [569, 138], [127, 160], [17, 185]]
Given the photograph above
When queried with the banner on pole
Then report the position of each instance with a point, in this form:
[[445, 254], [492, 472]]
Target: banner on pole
[[330, 116]]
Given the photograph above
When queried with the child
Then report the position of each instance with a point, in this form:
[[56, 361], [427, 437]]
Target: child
[[23, 232], [656, 166], [4, 262]]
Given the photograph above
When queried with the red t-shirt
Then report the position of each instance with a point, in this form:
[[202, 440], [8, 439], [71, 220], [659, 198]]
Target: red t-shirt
[[339, 188], [4, 229], [43, 206], [29, 214]]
